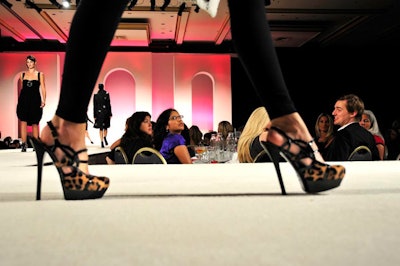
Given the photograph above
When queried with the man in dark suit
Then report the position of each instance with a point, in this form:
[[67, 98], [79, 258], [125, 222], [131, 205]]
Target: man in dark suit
[[347, 114]]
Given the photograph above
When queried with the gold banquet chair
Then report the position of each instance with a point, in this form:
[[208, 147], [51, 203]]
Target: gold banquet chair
[[120, 156], [147, 155], [361, 153]]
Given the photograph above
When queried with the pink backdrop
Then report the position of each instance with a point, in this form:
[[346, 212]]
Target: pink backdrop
[[197, 85]]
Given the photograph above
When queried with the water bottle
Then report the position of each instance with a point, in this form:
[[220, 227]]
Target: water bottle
[[220, 148], [230, 145], [212, 148]]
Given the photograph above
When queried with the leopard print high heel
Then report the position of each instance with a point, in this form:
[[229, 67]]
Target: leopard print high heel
[[315, 177], [76, 184]]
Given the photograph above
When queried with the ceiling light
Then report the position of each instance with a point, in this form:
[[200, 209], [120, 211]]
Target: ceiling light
[[66, 3]]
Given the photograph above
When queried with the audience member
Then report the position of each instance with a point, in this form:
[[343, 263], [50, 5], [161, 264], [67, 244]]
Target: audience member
[[207, 137], [138, 134], [3, 145], [118, 141], [186, 135], [324, 132], [347, 114], [224, 127], [168, 138], [249, 144], [369, 122], [393, 141], [9, 143], [196, 136]]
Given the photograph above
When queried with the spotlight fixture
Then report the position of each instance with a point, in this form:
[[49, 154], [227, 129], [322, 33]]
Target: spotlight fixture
[[164, 6], [132, 4], [66, 3], [181, 8], [55, 3], [197, 9]]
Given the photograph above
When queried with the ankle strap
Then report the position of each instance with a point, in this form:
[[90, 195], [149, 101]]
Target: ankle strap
[[310, 143]]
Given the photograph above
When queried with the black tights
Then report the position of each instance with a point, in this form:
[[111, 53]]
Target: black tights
[[90, 39], [87, 47], [253, 43]]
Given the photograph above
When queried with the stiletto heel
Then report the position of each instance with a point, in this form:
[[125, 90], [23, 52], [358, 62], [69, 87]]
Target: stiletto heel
[[76, 184], [315, 177], [39, 151], [273, 154]]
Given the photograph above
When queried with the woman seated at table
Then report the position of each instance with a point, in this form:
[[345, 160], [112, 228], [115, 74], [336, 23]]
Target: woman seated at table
[[168, 139], [138, 134], [249, 147]]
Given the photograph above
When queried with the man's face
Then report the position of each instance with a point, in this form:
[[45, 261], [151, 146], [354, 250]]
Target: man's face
[[341, 115]]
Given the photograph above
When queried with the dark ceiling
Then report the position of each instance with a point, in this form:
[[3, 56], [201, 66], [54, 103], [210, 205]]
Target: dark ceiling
[[42, 26]]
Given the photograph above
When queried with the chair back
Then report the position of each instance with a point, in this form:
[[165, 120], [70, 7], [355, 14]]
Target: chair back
[[120, 156], [261, 157], [361, 153], [147, 155]]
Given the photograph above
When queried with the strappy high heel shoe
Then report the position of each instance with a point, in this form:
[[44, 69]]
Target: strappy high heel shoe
[[316, 177], [76, 184]]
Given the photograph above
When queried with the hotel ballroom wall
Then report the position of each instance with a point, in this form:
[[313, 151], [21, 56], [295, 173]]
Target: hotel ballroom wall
[[197, 85]]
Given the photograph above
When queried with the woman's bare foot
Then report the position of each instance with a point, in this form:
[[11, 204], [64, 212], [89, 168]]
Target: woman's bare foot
[[69, 134], [294, 127]]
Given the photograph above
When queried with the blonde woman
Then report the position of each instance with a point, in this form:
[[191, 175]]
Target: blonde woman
[[324, 132], [249, 146]]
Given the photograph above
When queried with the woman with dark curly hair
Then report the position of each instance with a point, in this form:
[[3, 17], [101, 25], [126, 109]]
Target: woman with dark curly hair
[[138, 134]]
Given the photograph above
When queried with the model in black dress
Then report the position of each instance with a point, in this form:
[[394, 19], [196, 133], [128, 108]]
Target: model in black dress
[[31, 100]]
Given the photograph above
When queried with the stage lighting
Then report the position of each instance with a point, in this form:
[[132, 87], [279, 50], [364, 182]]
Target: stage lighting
[[164, 6], [66, 3], [132, 4], [55, 3], [181, 8]]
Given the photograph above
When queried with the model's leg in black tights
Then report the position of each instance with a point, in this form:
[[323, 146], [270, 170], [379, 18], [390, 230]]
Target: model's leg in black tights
[[252, 38], [92, 29], [91, 33], [253, 43]]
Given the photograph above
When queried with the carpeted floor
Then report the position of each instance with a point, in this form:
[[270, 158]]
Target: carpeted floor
[[202, 214]]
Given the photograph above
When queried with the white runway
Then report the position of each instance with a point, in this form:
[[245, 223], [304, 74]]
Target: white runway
[[215, 214]]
